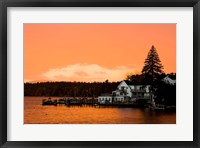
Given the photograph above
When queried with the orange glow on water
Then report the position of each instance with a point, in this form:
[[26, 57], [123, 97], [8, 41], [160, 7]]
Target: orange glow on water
[[35, 113]]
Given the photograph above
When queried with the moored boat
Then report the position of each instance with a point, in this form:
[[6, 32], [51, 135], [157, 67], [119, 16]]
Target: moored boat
[[157, 107], [74, 102], [62, 101], [49, 102]]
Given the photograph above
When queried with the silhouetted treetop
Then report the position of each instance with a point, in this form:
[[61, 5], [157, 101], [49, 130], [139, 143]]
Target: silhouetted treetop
[[152, 65]]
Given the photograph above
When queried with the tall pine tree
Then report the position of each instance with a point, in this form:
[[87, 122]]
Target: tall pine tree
[[152, 66]]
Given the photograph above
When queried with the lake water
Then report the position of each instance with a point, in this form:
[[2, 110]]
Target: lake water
[[35, 113]]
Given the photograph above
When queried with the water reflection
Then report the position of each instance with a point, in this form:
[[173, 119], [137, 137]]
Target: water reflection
[[35, 113]]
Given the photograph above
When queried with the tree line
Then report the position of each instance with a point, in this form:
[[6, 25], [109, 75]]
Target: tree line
[[69, 89]]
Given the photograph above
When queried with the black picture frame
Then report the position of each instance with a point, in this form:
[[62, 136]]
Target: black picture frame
[[4, 4]]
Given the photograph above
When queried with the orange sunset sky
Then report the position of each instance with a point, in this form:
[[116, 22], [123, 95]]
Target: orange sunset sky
[[94, 52]]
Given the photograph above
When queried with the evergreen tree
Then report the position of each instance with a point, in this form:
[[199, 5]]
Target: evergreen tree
[[152, 66]]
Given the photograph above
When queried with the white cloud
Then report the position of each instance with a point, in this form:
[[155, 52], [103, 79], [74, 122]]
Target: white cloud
[[87, 73], [27, 80]]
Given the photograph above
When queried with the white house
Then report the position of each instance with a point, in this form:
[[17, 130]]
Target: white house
[[168, 80], [123, 89], [127, 89]]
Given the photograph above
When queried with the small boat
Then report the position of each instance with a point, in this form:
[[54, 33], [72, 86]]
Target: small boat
[[49, 102], [157, 107], [73, 102], [61, 101]]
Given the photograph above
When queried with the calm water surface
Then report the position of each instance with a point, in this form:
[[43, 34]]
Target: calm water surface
[[35, 113]]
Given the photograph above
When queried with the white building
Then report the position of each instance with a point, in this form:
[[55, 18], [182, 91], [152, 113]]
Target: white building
[[105, 98], [126, 91], [123, 89], [168, 80], [118, 98]]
